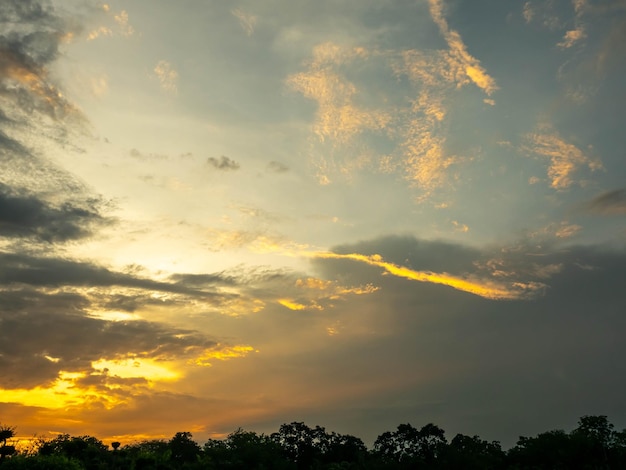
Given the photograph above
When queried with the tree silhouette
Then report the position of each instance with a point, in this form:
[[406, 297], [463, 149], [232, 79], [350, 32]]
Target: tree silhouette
[[593, 445], [409, 447], [6, 433], [183, 448], [472, 453]]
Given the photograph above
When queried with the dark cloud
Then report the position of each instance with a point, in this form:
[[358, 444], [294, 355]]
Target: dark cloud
[[26, 216], [29, 42], [277, 167], [202, 280], [30, 37], [223, 163], [476, 365], [42, 334], [608, 203], [131, 303], [423, 255], [55, 272]]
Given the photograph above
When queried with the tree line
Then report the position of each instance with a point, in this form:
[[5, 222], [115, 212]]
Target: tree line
[[594, 444]]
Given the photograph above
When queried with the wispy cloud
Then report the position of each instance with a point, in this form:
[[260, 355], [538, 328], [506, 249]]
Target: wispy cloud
[[565, 158], [167, 76], [481, 287], [528, 12], [122, 20], [338, 118], [25, 82], [608, 203], [247, 21], [224, 353], [119, 24], [572, 37], [277, 167], [321, 294], [223, 163], [461, 62]]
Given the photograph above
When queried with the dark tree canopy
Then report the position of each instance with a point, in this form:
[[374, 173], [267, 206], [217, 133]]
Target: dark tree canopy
[[593, 444]]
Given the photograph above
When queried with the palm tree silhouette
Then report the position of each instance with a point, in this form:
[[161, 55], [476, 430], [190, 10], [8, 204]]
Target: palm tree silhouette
[[6, 432]]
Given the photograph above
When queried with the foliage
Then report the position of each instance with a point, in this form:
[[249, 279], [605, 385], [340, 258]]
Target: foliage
[[6, 433], [594, 444], [41, 462], [409, 447]]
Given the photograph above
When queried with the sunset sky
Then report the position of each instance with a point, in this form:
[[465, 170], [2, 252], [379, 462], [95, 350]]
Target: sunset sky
[[353, 213]]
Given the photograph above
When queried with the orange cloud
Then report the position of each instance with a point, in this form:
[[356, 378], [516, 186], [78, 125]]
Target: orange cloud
[[337, 118], [483, 288], [292, 304], [223, 354], [34, 79], [572, 37], [167, 76], [565, 158], [460, 61]]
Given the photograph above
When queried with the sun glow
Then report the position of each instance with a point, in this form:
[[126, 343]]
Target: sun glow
[[63, 392], [136, 368]]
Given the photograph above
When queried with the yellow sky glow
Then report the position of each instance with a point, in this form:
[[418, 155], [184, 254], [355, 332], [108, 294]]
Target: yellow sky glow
[[62, 393], [133, 367]]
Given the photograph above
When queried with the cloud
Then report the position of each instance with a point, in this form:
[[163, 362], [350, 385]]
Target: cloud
[[459, 60], [98, 32], [277, 167], [460, 227], [223, 163], [538, 11], [338, 118], [35, 117], [247, 21], [167, 76], [528, 12], [608, 203], [122, 20], [413, 128], [425, 350], [25, 53], [46, 334], [147, 156], [118, 24], [22, 269], [472, 284], [443, 341], [565, 158], [24, 215], [319, 294], [572, 37]]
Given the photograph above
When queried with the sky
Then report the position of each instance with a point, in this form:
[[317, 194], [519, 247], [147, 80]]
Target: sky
[[352, 213]]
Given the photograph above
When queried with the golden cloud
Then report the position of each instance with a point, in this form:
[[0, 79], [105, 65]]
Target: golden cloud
[[337, 118], [167, 76], [565, 158], [122, 20], [484, 288], [417, 129], [460, 61], [223, 354], [247, 21], [572, 37]]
